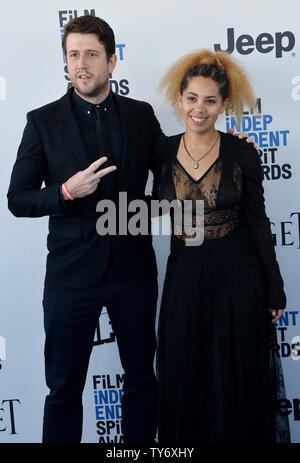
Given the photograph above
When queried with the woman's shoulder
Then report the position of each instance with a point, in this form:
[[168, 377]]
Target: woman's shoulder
[[245, 153], [167, 146], [234, 141], [171, 140]]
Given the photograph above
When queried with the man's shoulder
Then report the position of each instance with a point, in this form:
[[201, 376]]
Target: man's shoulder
[[132, 102], [42, 110], [48, 109]]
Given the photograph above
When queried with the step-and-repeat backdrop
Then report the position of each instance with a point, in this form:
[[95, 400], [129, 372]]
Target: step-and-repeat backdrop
[[265, 38]]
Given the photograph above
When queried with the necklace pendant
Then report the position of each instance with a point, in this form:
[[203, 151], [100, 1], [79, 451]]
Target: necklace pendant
[[196, 165]]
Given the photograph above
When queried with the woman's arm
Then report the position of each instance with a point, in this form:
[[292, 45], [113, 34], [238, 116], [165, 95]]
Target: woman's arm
[[254, 216]]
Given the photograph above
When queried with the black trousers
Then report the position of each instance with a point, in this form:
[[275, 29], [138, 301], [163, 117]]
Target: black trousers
[[70, 318]]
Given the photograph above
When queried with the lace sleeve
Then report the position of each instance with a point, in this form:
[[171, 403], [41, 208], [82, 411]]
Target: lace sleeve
[[254, 216]]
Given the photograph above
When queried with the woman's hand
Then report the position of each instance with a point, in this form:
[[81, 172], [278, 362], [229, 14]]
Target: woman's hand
[[276, 314]]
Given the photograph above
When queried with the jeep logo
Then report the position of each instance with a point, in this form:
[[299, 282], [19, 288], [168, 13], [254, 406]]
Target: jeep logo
[[264, 43]]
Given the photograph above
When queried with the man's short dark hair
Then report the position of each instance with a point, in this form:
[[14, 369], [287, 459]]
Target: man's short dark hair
[[89, 24]]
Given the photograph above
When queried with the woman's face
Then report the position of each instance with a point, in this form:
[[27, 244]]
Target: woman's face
[[201, 104]]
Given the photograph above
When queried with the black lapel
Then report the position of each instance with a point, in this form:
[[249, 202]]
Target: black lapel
[[70, 129], [126, 112]]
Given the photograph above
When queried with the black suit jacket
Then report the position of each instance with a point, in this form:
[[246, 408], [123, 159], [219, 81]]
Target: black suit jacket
[[51, 151]]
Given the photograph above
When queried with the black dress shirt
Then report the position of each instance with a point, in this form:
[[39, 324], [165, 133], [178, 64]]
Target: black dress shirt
[[86, 117]]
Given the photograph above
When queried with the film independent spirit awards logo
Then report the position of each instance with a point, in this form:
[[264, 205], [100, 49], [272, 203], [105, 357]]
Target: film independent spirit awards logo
[[279, 44], [259, 125], [272, 142]]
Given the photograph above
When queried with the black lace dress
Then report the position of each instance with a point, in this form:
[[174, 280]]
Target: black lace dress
[[219, 377]]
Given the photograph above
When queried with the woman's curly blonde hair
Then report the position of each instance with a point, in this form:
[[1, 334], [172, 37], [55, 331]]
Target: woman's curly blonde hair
[[220, 67]]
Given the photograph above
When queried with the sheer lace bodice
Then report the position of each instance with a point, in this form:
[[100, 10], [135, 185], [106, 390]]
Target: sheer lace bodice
[[217, 222]]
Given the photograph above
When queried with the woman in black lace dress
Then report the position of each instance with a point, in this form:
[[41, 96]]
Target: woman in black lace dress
[[218, 376]]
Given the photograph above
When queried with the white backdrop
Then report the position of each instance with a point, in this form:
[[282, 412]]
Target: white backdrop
[[150, 36]]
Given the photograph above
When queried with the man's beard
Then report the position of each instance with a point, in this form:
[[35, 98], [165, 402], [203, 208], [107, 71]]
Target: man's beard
[[96, 91]]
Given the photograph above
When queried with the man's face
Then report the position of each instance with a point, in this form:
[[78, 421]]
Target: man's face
[[88, 66]]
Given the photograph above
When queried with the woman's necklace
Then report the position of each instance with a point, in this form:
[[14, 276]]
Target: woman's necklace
[[196, 161]]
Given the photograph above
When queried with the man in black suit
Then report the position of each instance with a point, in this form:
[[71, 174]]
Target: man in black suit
[[63, 145]]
